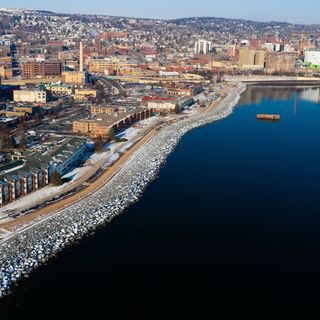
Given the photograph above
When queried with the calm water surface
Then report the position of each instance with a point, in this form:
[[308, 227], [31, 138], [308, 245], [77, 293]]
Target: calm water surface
[[233, 219]]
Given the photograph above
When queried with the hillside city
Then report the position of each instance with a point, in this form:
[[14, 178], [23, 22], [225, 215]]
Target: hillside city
[[78, 91]]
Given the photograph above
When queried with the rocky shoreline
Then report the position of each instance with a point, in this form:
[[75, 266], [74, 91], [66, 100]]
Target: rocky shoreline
[[24, 252]]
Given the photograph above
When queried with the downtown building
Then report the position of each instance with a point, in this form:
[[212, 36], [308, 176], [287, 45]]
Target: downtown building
[[202, 47], [42, 69], [252, 59]]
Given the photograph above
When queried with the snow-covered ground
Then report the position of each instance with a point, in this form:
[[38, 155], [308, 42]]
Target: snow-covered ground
[[148, 121], [112, 159], [133, 131], [110, 155], [128, 133], [33, 198]]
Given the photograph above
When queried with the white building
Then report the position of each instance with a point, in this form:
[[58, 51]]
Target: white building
[[312, 57], [32, 96], [68, 155], [202, 47]]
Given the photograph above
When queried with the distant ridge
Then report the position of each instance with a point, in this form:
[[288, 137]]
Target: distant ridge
[[178, 21]]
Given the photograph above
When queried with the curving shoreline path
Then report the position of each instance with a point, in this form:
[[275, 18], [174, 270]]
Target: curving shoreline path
[[23, 252]]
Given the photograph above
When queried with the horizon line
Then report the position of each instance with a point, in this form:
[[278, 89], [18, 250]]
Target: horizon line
[[163, 19]]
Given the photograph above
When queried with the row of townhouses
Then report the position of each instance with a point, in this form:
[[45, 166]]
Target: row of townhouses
[[32, 170]]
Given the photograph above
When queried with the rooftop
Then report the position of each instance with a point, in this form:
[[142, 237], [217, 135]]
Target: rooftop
[[53, 152], [110, 119]]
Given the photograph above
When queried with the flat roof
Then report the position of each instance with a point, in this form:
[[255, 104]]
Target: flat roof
[[110, 119]]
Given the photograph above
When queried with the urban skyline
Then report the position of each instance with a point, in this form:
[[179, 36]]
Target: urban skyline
[[247, 10]]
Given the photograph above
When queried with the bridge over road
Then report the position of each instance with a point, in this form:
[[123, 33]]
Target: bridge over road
[[274, 80]]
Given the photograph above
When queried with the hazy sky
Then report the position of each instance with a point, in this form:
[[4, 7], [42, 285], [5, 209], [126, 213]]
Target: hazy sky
[[306, 11]]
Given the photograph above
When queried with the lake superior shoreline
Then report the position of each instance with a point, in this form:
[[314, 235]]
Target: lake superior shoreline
[[23, 252]]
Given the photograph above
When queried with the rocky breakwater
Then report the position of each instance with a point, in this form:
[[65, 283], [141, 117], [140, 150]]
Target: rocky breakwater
[[25, 250]]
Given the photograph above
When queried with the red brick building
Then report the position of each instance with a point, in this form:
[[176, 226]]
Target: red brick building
[[41, 69]]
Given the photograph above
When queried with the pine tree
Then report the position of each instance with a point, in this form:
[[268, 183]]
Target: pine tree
[[112, 135], [56, 179], [98, 144]]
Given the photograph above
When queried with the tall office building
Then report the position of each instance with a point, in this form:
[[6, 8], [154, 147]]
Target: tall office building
[[202, 47]]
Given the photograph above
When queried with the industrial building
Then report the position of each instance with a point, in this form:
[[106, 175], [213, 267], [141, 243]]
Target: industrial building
[[252, 59], [77, 78], [105, 123]]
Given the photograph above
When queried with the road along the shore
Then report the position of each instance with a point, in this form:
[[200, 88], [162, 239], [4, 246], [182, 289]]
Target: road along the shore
[[25, 249], [49, 210]]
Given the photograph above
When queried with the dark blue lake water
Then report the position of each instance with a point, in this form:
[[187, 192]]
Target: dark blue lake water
[[234, 218]]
